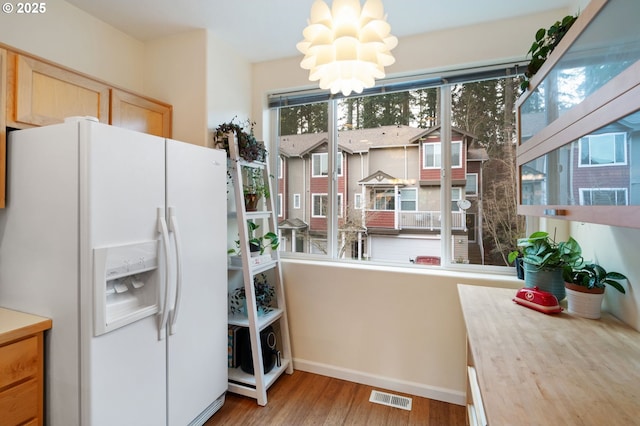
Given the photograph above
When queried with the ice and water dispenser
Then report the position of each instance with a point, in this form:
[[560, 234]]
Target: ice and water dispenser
[[126, 281]]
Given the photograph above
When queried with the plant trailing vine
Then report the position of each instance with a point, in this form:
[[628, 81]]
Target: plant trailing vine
[[546, 40], [248, 147]]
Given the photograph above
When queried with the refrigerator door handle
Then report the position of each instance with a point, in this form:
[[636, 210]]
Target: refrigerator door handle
[[164, 314], [173, 227]]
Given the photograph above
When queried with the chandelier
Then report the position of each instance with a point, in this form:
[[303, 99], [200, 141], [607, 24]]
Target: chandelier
[[347, 47]]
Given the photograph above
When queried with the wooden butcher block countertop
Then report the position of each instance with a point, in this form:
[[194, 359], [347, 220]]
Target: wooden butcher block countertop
[[538, 369], [16, 325]]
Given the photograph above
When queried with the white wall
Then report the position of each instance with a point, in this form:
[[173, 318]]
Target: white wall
[[72, 38], [616, 249], [176, 72], [396, 328], [228, 84]]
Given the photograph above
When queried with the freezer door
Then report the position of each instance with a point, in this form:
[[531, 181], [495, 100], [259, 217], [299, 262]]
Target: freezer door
[[197, 341], [122, 186]]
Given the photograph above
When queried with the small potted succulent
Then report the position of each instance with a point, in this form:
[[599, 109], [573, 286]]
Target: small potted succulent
[[585, 285]]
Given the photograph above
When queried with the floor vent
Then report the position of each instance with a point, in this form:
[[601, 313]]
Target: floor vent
[[391, 400]]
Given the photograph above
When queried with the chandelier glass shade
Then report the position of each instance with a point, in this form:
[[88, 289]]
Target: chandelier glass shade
[[346, 47]]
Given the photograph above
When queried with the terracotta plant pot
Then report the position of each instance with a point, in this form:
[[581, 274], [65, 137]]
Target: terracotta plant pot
[[584, 302], [251, 202]]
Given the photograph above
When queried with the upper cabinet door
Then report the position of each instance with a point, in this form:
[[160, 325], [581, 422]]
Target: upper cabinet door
[[45, 94], [141, 114]]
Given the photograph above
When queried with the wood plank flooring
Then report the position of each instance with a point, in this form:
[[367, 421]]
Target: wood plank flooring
[[310, 399]]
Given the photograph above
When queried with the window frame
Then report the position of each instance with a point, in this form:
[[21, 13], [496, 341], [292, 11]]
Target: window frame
[[324, 163], [437, 156], [589, 139]]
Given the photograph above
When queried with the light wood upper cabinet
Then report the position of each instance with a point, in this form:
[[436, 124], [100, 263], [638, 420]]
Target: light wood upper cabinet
[[141, 114], [46, 94]]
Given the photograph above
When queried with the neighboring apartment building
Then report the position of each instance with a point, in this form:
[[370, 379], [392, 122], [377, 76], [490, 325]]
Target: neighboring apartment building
[[388, 193]]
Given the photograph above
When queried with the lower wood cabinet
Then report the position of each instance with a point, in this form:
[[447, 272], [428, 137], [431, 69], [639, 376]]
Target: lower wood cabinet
[[22, 368]]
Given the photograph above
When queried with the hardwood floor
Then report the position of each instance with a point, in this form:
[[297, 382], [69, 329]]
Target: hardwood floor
[[310, 399]]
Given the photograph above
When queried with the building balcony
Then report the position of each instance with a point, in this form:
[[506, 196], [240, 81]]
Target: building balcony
[[418, 220]]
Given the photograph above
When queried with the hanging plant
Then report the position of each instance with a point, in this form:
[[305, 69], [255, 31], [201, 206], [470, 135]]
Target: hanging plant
[[546, 40], [248, 147]]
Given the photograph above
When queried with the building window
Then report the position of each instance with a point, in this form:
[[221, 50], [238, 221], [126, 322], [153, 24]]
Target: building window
[[280, 167], [321, 205], [609, 149], [432, 155], [409, 199], [279, 206], [472, 184], [603, 197], [456, 195], [357, 201], [384, 199], [296, 201], [320, 166]]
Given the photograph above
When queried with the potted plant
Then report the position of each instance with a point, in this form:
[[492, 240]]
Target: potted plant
[[545, 42], [585, 288], [265, 294], [544, 259], [248, 147], [254, 189], [257, 245]]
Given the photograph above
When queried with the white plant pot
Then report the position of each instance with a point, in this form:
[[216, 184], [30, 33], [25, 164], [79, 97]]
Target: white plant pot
[[582, 304]]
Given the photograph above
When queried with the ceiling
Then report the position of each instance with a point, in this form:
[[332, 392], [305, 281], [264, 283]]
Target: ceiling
[[263, 30]]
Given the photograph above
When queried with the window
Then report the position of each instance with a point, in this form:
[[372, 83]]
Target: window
[[409, 199], [603, 150], [357, 201], [472, 184], [384, 199], [296, 201], [603, 197], [320, 164], [433, 156], [456, 195], [279, 206], [400, 195], [280, 167], [320, 205]]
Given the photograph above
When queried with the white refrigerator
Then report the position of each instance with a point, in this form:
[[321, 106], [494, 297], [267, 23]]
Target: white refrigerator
[[120, 238]]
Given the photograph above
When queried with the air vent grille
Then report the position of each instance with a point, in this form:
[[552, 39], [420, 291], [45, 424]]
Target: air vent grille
[[390, 400]]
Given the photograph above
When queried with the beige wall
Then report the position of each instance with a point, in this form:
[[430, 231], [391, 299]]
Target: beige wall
[[70, 37]]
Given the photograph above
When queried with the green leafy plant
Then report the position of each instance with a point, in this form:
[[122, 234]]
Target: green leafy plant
[[545, 41], [265, 294], [540, 250], [257, 244], [254, 182], [592, 275], [249, 148]]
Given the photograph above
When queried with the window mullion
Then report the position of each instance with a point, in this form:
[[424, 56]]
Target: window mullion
[[445, 175], [332, 181]]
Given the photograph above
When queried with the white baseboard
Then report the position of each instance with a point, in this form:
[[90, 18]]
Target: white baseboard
[[411, 388]]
